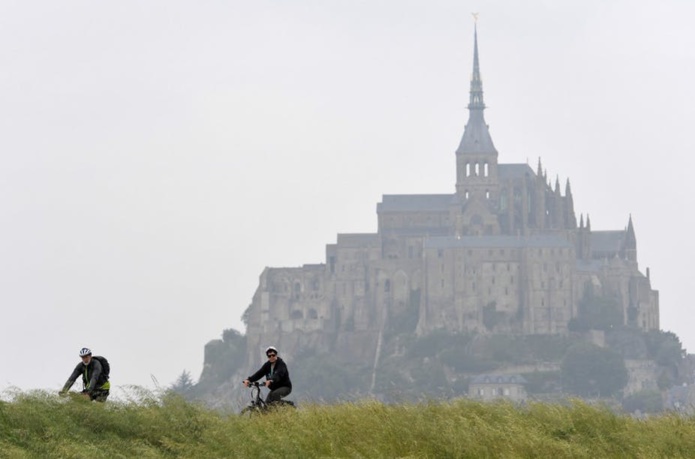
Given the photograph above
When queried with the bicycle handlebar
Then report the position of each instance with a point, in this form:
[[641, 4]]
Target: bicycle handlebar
[[255, 384]]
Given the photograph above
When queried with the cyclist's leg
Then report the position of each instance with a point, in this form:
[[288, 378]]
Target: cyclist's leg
[[277, 394], [101, 395]]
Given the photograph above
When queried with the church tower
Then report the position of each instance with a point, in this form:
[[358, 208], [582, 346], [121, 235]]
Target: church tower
[[476, 156]]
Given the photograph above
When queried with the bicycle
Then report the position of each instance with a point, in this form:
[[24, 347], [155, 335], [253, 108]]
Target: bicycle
[[84, 395], [258, 406]]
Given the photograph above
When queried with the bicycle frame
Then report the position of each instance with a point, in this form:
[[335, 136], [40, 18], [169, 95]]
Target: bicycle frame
[[258, 405], [256, 401]]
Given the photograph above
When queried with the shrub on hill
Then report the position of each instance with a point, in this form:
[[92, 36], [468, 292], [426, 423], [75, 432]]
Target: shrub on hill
[[592, 371], [646, 401]]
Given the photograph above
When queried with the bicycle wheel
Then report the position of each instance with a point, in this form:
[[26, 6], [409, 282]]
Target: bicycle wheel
[[250, 411], [285, 404]]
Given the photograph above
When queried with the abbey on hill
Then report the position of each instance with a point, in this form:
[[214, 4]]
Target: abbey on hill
[[503, 253]]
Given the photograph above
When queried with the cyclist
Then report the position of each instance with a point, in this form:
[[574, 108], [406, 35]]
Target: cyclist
[[277, 376], [95, 380]]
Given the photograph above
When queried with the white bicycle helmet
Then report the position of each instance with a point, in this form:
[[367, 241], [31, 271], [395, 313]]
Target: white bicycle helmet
[[271, 348], [85, 351]]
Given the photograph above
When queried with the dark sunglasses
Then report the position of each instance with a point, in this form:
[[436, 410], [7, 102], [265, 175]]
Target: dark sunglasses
[[271, 355]]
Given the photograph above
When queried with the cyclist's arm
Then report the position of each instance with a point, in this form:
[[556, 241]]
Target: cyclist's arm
[[96, 372], [73, 377], [260, 373]]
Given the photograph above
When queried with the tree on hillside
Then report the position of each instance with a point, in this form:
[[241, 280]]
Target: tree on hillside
[[646, 401], [630, 342], [183, 385], [435, 342], [665, 348], [319, 377], [597, 313], [592, 371]]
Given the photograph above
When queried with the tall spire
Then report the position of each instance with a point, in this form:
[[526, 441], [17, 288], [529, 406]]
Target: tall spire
[[476, 94], [476, 137], [570, 217], [630, 229], [630, 242]]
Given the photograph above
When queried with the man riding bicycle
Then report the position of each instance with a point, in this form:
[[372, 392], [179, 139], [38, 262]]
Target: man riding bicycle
[[94, 377], [277, 376]]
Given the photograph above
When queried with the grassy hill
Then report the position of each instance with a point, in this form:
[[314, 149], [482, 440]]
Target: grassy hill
[[41, 425]]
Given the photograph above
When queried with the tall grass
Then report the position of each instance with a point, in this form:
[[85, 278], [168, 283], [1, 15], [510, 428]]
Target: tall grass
[[41, 425]]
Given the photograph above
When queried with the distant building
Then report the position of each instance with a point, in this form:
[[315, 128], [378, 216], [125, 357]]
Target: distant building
[[498, 387], [503, 253]]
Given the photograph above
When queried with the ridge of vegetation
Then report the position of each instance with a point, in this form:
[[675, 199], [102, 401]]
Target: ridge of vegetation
[[38, 424]]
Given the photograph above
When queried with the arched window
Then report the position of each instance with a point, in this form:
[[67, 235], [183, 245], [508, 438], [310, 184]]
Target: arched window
[[468, 169], [486, 172]]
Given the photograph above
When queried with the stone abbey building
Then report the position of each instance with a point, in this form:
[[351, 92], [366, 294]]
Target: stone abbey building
[[503, 253]]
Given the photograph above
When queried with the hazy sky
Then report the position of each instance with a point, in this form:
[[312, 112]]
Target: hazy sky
[[156, 155]]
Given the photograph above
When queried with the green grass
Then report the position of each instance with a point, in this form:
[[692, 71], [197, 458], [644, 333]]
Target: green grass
[[41, 425]]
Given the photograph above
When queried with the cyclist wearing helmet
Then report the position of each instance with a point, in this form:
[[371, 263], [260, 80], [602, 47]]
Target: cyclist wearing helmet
[[276, 374], [94, 378]]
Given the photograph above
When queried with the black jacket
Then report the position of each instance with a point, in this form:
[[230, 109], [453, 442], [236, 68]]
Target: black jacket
[[93, 376], [280, 376]]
